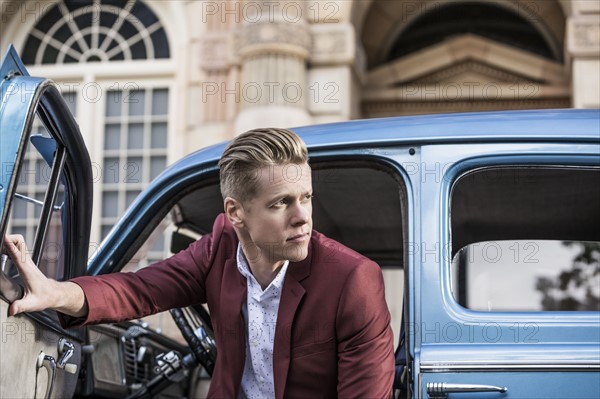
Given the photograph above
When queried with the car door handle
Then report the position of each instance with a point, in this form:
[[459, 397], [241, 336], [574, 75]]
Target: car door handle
[[441, 390], [47, 362], [65, 351]]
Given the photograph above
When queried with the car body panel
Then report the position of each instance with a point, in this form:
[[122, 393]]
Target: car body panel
[[24, 338]]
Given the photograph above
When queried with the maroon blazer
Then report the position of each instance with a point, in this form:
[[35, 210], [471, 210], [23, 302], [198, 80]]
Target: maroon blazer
[[333, 335]]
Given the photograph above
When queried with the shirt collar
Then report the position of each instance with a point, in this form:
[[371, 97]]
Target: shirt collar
[[244, 269]]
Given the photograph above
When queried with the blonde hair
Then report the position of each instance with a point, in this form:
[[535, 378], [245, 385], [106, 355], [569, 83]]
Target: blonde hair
[[251, 151]]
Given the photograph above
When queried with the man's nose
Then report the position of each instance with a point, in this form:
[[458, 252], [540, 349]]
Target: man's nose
[[302, 214]]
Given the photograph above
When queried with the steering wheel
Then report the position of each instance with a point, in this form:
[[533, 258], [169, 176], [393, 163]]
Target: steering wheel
[[196, 328]]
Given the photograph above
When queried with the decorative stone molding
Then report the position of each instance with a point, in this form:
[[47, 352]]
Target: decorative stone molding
[[467, 48], [276, 37], [332, 44], [465, 91], [583, 36], [216, 51], [458, 72], [385, 109]]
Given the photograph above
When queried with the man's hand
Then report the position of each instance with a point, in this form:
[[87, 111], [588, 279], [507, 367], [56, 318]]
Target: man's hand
[[41, 292]]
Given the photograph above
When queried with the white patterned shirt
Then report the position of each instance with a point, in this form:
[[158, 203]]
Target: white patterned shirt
[[260, 315]]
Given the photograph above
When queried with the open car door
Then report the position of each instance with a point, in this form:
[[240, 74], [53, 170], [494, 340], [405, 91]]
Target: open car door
[[39, 358]]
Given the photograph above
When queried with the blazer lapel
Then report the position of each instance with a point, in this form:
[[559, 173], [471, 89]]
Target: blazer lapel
[[232, 300], [291, 296]]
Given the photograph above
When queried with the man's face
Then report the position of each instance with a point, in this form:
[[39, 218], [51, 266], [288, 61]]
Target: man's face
[[278, 219]]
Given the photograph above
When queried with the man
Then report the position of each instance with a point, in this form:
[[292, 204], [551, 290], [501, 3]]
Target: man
[[295, 314]]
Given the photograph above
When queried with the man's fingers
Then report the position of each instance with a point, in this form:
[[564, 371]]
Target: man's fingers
[[14, 308], [33, 279], [15, 245], [28, 303]]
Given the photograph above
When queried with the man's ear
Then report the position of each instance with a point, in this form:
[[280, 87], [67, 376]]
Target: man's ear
[[234, 211]]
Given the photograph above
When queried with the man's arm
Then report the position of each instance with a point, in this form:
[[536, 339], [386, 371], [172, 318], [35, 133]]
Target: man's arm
[[177, 281], [41, 292], [365, 338]]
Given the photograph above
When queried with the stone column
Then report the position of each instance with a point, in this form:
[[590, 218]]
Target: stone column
[[336, 73], [583, 51], [337, 61], [273, 46]]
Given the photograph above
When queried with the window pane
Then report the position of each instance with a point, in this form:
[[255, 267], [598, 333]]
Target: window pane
[[138, 51], [547, 275], [42, 172], [110, 204], [19, 208], [527, 239], [32, 186], [136, 101], [157, 165], [112, 136], [135, 136], [110, 172], [159, 135], [134, 170], [50, 55], [113, 103], [52, 260], [160, 102]]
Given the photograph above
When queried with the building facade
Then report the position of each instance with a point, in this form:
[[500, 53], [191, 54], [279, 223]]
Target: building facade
[[153, 80]]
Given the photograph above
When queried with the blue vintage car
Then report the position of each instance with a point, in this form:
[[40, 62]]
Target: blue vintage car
[[486, 226]]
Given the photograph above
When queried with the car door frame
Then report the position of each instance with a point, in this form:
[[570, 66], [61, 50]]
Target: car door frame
[[25, 335]]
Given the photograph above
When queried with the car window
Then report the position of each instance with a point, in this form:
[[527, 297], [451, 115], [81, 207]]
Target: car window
[[526, 239], [546, 274], [31, 194]]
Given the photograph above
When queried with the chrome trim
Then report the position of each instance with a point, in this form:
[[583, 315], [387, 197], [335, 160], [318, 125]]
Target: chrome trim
[[47, 362], [440, 367], [35, 202], [442, 389]]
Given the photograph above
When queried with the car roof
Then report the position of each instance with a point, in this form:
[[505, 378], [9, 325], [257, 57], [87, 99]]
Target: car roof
[[543, 125], [561, 125]]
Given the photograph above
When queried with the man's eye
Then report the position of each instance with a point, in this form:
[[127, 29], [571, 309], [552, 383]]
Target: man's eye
[[279, 203]]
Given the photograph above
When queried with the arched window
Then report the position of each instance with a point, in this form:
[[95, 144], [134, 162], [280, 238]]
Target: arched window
[[74, 31], [123, 106], [486, 20]]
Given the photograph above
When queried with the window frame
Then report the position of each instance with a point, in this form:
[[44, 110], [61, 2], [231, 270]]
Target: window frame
[[566, 157]]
